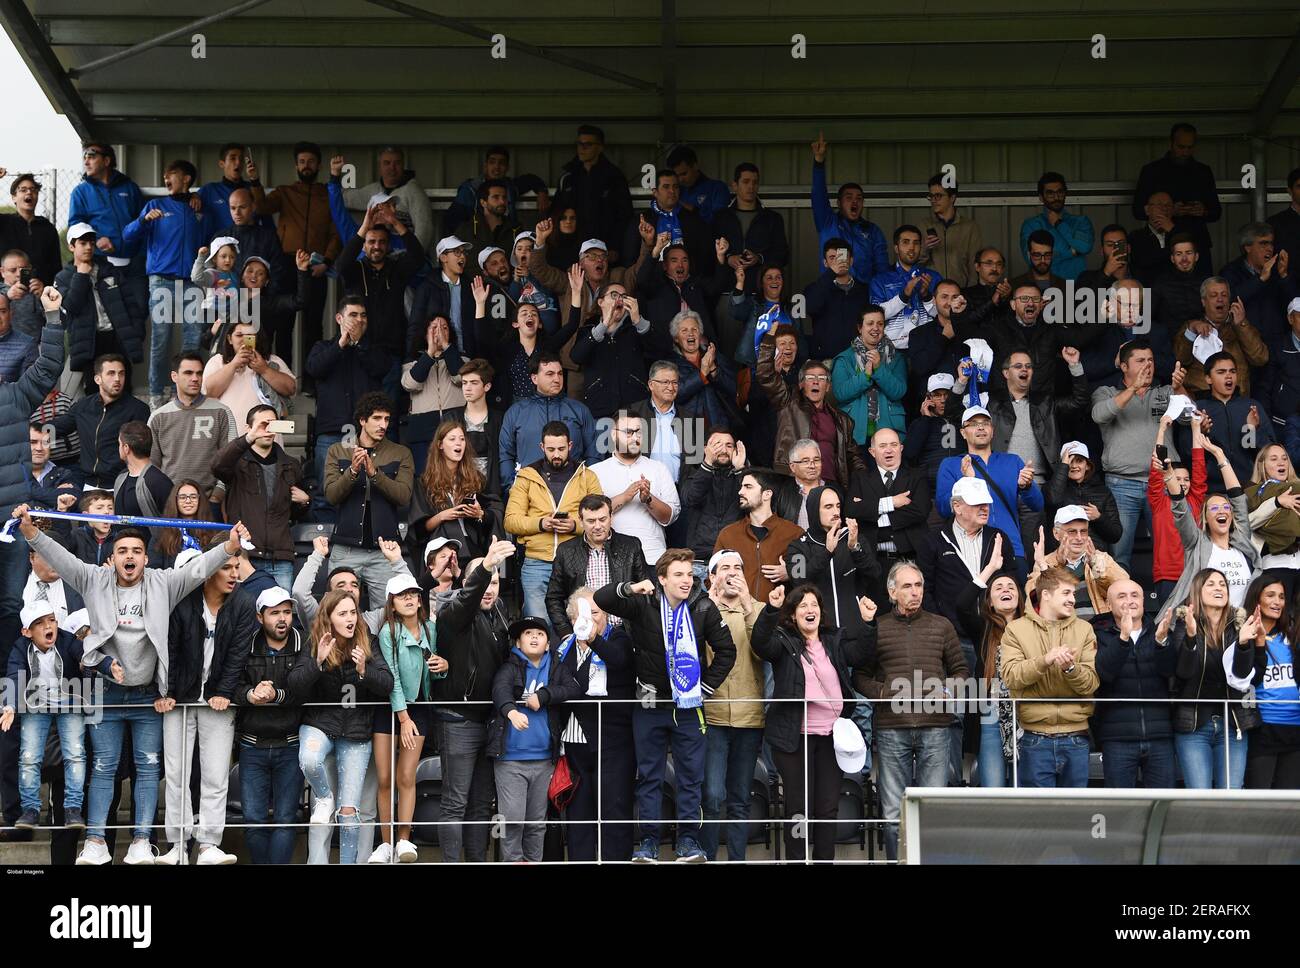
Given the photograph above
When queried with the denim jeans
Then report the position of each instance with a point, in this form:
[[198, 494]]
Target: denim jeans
[[322, 510], [655, 732], [146, 741], [468, 789], [270, 780], [1131, 499], [1053, 761], [1201, 756], [319, 836], [992, 764], [730, 753], [281, 571], [35, 728], [904, 758], [1121, 758], [164, 315], [353, 760], [534, 576], [14, 567]]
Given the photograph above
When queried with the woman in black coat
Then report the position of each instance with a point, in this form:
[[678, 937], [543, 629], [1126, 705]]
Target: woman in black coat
[[1076, 481], [829, 556], [810, 660]]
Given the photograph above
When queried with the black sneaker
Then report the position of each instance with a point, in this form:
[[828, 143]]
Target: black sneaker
[[29, 820], [74, 819]]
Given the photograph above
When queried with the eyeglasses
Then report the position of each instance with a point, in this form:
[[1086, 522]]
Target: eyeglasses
[[1217, 508], [937, 196], [816, 378], [666, 383], [186, 497], [806, 462], [633, 432], [1029, 300]]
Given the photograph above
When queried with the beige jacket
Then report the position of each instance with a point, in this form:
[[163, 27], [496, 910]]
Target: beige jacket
[[745, 680], [1099, 574], [954, 256], [1028, 675]]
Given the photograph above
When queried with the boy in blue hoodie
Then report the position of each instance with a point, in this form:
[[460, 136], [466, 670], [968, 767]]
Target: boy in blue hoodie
[[39, 666], [172, 233], [525, 735]]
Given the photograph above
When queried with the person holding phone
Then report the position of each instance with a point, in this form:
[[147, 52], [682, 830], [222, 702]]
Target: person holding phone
[[951, 240], [829, 555], [244, 373]]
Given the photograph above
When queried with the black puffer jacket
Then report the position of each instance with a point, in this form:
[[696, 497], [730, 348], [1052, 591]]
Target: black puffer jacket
[[711, 501], [1133, 670], [273, 723], [784, 648], [186, 630], [1061, 491], [342, 685], [1199, 675], [17, 401], [473, 642], [82, 320]]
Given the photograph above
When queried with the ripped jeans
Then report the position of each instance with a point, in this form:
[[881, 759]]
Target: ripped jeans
[[146, 741], [353, 759]]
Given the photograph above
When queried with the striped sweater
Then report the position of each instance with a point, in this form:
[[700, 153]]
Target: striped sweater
[[186, 440]]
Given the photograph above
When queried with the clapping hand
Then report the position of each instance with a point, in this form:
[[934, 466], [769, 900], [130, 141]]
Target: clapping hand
[[324, 648]]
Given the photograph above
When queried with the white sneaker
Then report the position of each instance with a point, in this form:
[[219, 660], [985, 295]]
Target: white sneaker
[[140, 853], [383, 854], [323, 812], [174, 857], [212, 855], [406, 852], [93, 854]]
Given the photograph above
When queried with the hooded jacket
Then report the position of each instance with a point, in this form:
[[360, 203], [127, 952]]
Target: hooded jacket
[[1025, 643], [109, 209], [841, 575], [509, 685]]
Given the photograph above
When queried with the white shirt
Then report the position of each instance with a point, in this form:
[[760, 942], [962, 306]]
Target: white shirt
[[209, 645], [634, 518], [968, 547], [1235, 568]]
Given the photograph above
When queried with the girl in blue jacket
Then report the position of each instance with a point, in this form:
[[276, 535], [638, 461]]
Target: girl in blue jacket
[[869, 379]]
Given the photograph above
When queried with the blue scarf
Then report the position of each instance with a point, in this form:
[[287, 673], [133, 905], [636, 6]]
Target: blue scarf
[[188, 541], [682, 655], [770, 319], [977, 376], [669, 222]]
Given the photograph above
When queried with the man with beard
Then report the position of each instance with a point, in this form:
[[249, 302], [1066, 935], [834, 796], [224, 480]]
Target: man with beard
[[905, 291], [988, 298], [1072, 235], [97, 420], [491, 225], [508, 275], [1176, 292], [1040, 249], [304, 223], [1191, 186], [761, 536], [709, 494], [644, 496]]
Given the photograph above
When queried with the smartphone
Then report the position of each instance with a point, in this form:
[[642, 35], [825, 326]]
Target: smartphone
[[280, 426], [250, 342], [25, 276], [1162, 452], [932, 233], [560, 514], [1121, 248], [841, 255]]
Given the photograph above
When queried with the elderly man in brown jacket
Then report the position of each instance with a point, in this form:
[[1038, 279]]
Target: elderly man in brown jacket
[[918, 667], [1224, 321], [1077, 555], [1051, 654]]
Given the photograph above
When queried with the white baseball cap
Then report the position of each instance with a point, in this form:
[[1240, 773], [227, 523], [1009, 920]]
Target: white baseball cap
[[940, 381], [970, 413], [185, 556], [483, 256], [1293, 306], [850, 748], [378, 199], [972, 490], [591, 244], [80, 231], [273, 596], [437, 544], [218, 243], [400, 583], [526, 234], [1071, 512], [35, 612], [449, 243], [1075, 448], [724, 553]]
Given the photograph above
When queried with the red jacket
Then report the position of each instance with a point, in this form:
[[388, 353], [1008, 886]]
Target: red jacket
[[1166, 546]]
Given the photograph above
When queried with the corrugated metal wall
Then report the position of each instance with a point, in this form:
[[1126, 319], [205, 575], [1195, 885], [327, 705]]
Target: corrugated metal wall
[[787, 166]]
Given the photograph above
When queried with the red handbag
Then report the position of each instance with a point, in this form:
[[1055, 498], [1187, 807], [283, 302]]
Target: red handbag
[[564, 784]]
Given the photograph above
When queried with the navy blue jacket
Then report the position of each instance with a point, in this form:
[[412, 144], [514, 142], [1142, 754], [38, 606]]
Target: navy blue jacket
[[1227, 430], [835, 314], [1280, 389], [1131, 670], [98, 427], [1265, 302], [342, 377], [46, 493], [67, 645], [79, 315]]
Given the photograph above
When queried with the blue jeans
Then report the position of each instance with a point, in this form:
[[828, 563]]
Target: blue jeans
[[730, 753], [270, 780], [322, 509], [146, 742], [72, 738], [1121, 758], [534, 576], [991, 764], [863, 714], [1201, 754], [164, 315], [655, 732], [1131, 499], [281, 571], [1053, 761], [904, 758], [14, 567], [353, 759]]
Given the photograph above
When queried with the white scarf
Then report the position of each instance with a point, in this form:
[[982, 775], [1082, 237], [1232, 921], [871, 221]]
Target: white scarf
[[682, 655]]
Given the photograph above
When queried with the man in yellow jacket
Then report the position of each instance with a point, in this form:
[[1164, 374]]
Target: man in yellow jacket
[[543, 511], [1051, 654]]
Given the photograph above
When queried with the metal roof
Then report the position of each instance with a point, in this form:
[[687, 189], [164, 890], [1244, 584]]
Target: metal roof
[[366, 71]]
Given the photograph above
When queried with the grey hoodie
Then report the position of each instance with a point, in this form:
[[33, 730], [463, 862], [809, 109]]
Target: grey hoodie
[[161, 591], [306, 601], [1197, 546]]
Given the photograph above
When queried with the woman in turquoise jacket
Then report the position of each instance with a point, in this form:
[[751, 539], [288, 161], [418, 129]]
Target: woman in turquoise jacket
[[408, 641], [869, 379]]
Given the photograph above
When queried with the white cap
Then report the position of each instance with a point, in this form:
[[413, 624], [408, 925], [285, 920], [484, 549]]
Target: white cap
[[34, 612], [530, 236], [216, 245], [437, 544], [80, 231], [76, 621], [378, 199], [400, 583], [940, 381], [591, 244], [1071, 512], [1179, 404], [1293, 306], [724, 553], [185, 556], [850, 748], [483, 256], [972, 490], [970, 413], [449, 243], [273, 596], [1075, 448]]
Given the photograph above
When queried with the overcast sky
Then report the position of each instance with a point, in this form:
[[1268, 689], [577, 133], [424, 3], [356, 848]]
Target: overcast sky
[[36, 136]]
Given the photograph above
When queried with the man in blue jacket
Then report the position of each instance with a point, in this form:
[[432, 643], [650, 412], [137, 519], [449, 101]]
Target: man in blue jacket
[[867, 242], [216, 195], [906, 292], [172, 233], [1009, 478], [704, 196], [109, 201], [521, 430], [1072, 235]]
